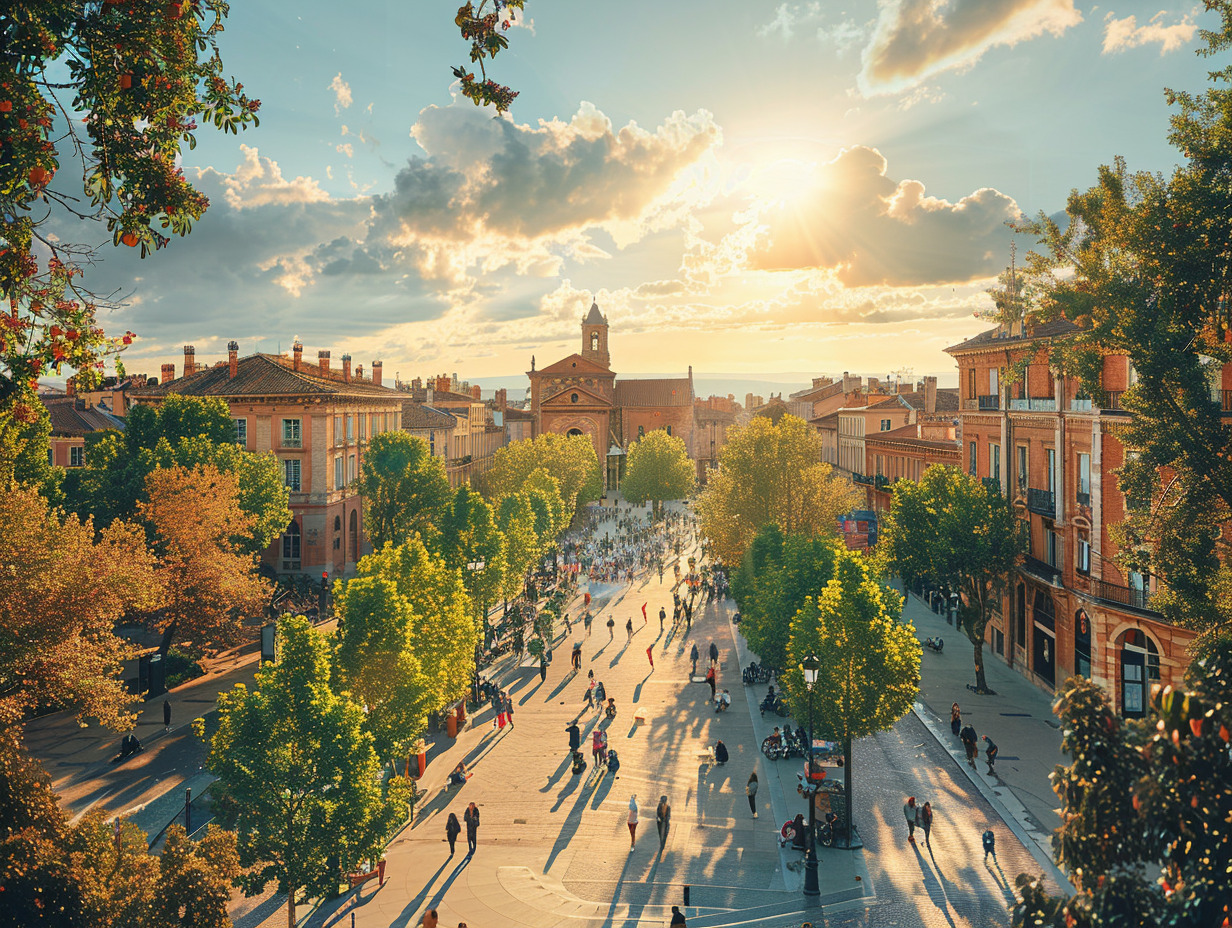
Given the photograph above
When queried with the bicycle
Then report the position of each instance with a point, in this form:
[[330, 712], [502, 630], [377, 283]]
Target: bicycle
[[825, 830]]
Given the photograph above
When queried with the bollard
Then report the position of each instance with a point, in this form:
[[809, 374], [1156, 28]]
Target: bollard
[[188, 809]]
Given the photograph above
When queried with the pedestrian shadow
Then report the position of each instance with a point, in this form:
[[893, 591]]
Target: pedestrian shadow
[[556, 775], [560, 687], [409, 911], [529, 693], [569, 828], [604, 786], [595, 656], [444, 887], [932, 885], [619, 654], [1002, 880], [577, 780]]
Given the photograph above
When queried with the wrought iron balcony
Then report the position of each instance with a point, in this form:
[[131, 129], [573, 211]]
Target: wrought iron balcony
[[990, 402], [1042, 501], [1042, 569], [1122, 595], [1111, 399], [993, 483]]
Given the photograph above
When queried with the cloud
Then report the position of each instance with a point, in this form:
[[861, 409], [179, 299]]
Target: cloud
[[918, 38], [258, 181], [874, 230], [793, 18], [342, 93], [1123, 34]]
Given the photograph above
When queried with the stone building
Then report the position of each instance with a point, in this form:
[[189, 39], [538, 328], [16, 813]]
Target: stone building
[[580, 395]]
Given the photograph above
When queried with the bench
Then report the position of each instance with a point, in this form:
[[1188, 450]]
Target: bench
[[358, 879], [706, 756]]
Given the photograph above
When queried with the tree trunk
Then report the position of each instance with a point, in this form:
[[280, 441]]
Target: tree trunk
[[291, 909], [847, 789], [168, 634], [981, 685]]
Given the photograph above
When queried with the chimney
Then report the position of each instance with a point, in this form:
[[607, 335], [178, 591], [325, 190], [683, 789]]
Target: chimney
[[930, 395], [190, 354], [359, 372], [502, 399], [323, 362], [346, 368], [70, 387], [233, 359], [297, 354], [443, 384], [376, 372], [168, 373], [476, 393]]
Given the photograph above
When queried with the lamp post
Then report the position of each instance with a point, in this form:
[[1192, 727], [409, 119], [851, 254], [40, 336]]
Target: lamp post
[[810, 665]]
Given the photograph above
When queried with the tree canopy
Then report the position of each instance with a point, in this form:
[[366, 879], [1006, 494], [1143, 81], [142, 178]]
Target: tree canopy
[[658, 469], [470, 537], [571, 460], [516, 520], [767, 474], [297, 774], [404, 487], [953, 530]]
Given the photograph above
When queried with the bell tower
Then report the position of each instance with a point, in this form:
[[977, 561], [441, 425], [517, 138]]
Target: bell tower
[[594, 337]]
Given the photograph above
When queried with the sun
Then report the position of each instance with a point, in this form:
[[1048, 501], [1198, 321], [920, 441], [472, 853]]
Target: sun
[[784, 179]]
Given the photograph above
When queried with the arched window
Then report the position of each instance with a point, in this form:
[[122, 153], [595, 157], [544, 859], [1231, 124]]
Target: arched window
[[573, 433], [594, 341]]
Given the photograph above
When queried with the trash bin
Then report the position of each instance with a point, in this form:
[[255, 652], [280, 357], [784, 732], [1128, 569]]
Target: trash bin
[[451, 725]]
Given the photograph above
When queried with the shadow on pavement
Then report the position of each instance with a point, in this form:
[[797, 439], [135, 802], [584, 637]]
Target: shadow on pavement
[[408, 912]]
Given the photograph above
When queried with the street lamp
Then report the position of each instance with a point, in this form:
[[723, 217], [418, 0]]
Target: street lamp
[[810, 665]]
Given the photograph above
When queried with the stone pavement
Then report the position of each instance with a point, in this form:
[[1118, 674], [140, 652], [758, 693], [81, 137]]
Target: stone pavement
[[1018, 718]]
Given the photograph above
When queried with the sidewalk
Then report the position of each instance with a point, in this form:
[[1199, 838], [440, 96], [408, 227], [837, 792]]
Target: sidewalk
[[1018, 718]]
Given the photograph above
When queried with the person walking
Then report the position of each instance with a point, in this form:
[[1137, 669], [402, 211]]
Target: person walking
[[430, 919], [587, 618], [714, 654], [632, 820], [924, 818], [663, 821], [167, 714], [611, 628], [688, 615], [650, 655], [452, 829], [750, 790], [693, 656], [662, 610], [971, 743], [677, 918], [577, 657], [710, 678], [990, 845], [721, 756], [509, 709], [471, 816], [910, 813], [955, 719], [543, 667], [598, 745], [629, 630], [990, 753], [575, 736]]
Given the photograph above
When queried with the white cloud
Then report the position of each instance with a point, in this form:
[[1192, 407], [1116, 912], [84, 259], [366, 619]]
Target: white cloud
[[791, 19], [1125, 33], [342, 93], [345, 148], [918, 38], [258, 181]]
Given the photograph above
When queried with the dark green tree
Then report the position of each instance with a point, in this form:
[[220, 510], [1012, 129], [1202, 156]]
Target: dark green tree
[[516, 520], [959, 533], [870, 659], [297, 774], [471, 541], [658, 469], [570, 460], [404, 487]]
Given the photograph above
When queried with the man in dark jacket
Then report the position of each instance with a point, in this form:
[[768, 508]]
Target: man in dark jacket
[[971, 743], [693, 656], [575, 737], [714, 654], [990, 753]]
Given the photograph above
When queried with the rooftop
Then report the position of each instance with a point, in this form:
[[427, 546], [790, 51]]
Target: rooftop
[[71, 418], [267, 375], [420, 416], [1001, 335], [910, 435], [662, 391]]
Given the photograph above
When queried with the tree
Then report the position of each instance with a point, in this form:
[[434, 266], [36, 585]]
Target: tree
[[25, 437], [961, 534], [571, 460], [469, 537], [1141, 268], [182, 431], [376, 662], [870, 658], [548, 488], [443, 631], [778, 574], [771, 473], [516, 520], [212, 584], [486, 39], [141, 101], [298, 778], [63, 593], [404, 487], [1144, 807], [658, 469]]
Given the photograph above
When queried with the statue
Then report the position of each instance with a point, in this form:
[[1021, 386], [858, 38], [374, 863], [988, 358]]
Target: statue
[[532, 363]]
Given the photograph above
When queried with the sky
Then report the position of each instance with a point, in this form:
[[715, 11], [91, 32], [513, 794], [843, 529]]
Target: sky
[[745, 187]]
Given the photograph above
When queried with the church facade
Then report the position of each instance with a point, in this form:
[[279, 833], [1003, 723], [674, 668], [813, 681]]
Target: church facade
[[581, 395]]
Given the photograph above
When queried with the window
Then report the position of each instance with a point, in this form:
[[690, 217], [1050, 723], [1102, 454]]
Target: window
[[363, 426], [994, 460], [337, 430], [290, 472], [292, 436], [1054, 548], [290, 545], [885, 425], [241, 432], [1084, 479], [594, 341], [669, 430], [338, 473], [76, 456], [971, 463], [1051, 454], [1084, 556], [51, 457], [432, 441], [877, 464], [350, 422], [397, 420], [1022, 467], [351, 471], [573, 397], [971, 383], [641, 431]]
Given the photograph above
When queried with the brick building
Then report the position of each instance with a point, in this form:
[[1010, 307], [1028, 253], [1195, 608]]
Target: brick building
[[72, 419], [713, 418], [1054, 451], [580, 395], [904, 454], [317, 421]]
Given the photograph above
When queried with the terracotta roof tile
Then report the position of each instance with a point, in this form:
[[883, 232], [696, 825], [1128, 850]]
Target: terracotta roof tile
[[663, 391], [265, 375], [991, 337], [419, 416], [69, 420]]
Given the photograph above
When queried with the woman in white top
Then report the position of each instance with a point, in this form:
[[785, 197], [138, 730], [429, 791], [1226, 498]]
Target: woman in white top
[[632, 820]]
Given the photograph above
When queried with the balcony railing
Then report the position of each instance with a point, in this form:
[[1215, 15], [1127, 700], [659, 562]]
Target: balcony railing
[[1111, 399], [1122, 595], [1035, 404], [1084, 499], [1042, 501], [1080, 404], [1041, 569], [990, 402], [289, 441]]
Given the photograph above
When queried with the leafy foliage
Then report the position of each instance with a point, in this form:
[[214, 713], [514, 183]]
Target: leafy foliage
[[141, 73], [570, 460], [516, 520], [658, 469], [1145, 806], [778, 574], [63, 593], [404, 487], [469, 536], [952, 529], [485, 32], [767, 474], [297, 775]]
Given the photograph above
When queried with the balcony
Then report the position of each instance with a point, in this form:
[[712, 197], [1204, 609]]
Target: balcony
[[292, 442], [1080, 404], [1041, 569], [1225, 401], [1034, 404], [1122, 595], [1111, 400], [1042, 501], [989, 402]]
